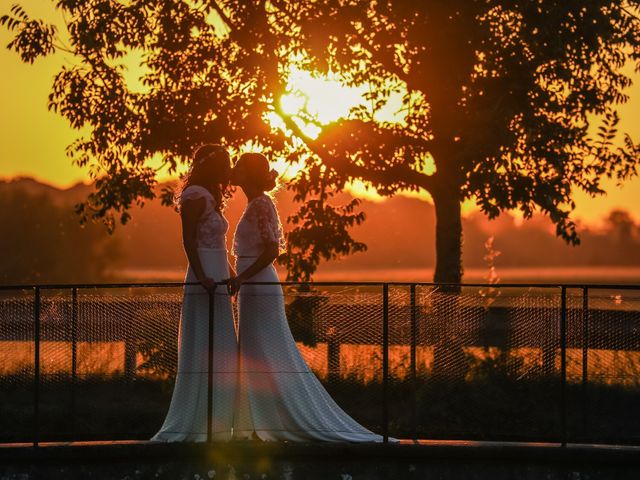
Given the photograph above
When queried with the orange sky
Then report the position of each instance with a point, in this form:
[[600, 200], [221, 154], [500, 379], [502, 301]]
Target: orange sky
[[34, 139]]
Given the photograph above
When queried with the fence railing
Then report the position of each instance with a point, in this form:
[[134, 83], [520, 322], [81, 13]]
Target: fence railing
[[534, 362]]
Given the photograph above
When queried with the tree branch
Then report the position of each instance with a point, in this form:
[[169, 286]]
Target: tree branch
[[225, 18], [631, 14], [398, 173]]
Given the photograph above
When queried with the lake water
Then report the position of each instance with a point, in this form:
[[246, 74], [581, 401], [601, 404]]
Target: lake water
[[600, 274]]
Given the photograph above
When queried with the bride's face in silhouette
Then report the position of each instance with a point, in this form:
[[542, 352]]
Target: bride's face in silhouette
[[239, 177], [251, 173]]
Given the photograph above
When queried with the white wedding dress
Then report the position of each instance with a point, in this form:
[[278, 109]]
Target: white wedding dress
[[280, 398], [187, 416]]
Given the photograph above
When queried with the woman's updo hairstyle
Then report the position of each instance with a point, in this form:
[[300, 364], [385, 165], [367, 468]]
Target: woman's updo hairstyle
[[255, 167], [210, 169]]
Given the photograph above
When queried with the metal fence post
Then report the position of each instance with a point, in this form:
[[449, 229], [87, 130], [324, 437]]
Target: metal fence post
[[210, 367], [36, 361], [414, 376], [585, 359], [385, 362], [74, 357], [563, 364]]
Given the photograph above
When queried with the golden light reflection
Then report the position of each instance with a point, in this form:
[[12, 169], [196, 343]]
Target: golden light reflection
[[359, 362], [314, 101]]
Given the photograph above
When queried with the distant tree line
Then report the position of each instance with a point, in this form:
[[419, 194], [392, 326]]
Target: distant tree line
[[615, 243], [42, 242]]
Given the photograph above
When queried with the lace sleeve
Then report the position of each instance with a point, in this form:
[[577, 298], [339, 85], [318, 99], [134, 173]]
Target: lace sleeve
[[193, 192], [268, 222]]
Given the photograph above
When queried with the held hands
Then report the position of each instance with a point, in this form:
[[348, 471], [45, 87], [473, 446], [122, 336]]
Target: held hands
[[234, 284]]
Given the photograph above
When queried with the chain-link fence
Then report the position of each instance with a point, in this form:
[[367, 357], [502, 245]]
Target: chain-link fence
[[421, 361]]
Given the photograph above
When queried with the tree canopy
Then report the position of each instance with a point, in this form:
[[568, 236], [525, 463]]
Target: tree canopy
[[502, 97], [212, 72], [498, 102]]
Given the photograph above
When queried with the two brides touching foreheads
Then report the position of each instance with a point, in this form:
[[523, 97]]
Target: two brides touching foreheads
[[262, 388]]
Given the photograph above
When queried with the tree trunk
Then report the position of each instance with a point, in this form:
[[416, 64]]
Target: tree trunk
[[448, 238], [448, 357]]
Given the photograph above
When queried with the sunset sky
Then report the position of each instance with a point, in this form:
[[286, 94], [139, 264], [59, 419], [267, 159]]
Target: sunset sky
[[34, 139]]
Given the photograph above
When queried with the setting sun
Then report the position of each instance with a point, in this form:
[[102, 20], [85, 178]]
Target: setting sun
[[315, 100]]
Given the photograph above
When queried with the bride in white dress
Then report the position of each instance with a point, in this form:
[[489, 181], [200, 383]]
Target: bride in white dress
[[279, 398], [204, 229]]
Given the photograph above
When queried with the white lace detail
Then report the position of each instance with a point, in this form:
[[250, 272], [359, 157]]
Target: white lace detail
[[258, 226], [212, 226]]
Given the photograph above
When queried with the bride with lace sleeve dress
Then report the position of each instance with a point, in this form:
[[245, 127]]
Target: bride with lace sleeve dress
[[204, 231], [280, 398]]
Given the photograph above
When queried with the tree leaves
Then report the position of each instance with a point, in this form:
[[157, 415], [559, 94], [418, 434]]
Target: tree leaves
[[505, 89], [34, 38], [498, 93]]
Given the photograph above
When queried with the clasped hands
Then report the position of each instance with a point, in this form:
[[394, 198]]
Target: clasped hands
[[233, 284]]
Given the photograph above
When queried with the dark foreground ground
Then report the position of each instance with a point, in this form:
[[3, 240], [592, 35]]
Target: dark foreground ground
[[490, 407], [249, 460]]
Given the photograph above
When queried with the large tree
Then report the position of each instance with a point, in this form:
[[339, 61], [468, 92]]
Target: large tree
[[499, 95], [514, 102], [212, 71]]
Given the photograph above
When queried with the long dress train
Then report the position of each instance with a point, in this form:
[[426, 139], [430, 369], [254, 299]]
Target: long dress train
[[280, 397]]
